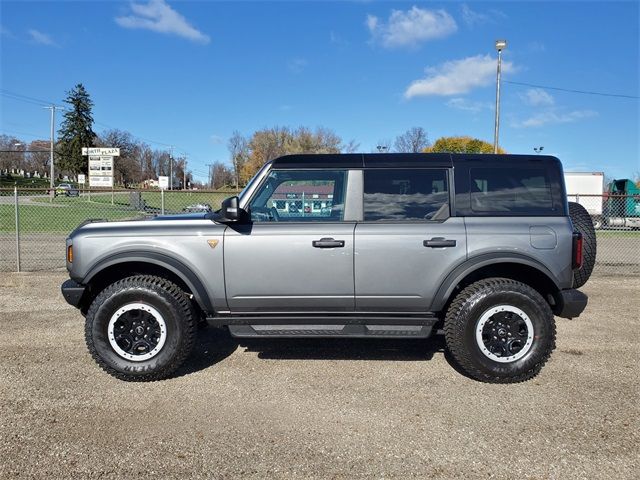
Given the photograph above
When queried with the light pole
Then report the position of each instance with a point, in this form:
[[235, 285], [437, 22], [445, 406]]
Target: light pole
[[500, 45], [538, 150]]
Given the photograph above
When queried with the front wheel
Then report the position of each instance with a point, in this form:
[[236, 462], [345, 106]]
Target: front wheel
[[140, 328], [499, 330]]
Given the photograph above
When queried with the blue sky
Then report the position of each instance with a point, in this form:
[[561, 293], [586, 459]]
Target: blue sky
[[190, 73]]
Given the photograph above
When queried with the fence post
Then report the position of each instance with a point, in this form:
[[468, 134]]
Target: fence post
[[15, 196], [162, 201]]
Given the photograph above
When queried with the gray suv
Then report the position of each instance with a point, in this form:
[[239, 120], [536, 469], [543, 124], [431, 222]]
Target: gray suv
[[481, 248]]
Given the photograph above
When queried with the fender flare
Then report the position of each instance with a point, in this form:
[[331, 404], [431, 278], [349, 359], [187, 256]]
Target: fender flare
[[191, 280], [475, 263]]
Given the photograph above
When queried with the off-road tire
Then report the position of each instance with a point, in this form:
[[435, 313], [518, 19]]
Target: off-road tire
[[463, 317], [164, 296], [583, 223]]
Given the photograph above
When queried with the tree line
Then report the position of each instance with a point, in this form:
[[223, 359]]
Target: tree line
[[139, 162]]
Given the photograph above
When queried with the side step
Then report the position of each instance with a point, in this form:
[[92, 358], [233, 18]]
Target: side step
[[352, 331]]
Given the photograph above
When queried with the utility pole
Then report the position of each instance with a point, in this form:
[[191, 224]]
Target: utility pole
[[171, 168], [184, 174], [500, 45], [53, 123]]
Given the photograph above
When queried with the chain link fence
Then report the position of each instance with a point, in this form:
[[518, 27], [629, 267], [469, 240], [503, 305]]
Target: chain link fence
[[43, 222], [34, 224]]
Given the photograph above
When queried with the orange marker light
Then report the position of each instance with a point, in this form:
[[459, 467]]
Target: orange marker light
[[70, 254]]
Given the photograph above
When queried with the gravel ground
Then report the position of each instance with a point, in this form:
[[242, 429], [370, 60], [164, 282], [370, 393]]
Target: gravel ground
[[315, 409]]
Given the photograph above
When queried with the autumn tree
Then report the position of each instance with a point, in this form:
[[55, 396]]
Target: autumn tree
[[414, 140], [461, 144], [269, 143], [76, 131]]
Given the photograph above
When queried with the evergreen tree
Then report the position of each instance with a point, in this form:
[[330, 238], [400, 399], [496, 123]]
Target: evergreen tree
[[76, 131]]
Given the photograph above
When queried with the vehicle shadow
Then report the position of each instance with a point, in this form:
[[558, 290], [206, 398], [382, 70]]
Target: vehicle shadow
[[215, 344], [212, 345], [344, 348]]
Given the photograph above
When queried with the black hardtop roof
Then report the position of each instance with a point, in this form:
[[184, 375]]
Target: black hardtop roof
[[401, 160]]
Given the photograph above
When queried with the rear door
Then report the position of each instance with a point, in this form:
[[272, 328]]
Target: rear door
[[407, 242]]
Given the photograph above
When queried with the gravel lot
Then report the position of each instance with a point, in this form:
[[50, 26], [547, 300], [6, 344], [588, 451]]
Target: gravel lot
[[315, 409]]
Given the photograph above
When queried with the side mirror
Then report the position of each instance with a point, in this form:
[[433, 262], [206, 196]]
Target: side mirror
[[230, 210]]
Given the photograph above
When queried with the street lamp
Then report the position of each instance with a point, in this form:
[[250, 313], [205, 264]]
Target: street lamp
[[538, 150], [500, 45], [382, 148]]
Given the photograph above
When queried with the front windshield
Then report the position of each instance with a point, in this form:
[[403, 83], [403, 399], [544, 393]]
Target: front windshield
[[252, 181]]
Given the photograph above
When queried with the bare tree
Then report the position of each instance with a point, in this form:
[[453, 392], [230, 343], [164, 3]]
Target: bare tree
[[221, 175], [11, 155], [239, 149], [414, 140]]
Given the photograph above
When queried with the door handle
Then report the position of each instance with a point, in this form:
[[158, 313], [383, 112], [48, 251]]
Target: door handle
[[439, 242], [327, 243]]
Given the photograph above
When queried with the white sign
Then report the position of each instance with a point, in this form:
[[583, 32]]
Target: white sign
[[114, 152], [100, 171], [163, 182], [100, 181], [81, 178]]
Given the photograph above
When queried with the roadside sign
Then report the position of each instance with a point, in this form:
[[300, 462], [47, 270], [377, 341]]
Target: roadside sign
[[100, 171], [81, 178], [112, 152], [163, 182]]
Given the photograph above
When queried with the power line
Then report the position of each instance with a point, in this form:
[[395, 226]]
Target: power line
[[584, 92], [24, 98]]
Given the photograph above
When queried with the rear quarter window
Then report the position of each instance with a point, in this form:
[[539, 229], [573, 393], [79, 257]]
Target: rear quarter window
[[509, 188], [519, 190]]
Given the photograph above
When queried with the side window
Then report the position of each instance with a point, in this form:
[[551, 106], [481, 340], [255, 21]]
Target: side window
[[300, 196], [514, 190], [405, 194]]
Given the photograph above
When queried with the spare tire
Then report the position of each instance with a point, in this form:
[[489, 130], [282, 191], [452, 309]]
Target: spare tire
[[582, 223]]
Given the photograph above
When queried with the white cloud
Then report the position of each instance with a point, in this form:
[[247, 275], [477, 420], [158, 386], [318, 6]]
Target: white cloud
[[410, 28], [473, 18], [159, 17], [467, 105], [216, 139], [41, 38], [297, 65], [536, 97], [457, 77], [551, 118]]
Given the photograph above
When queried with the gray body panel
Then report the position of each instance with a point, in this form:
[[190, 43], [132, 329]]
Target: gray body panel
[[97, 245], [395, 271], [545, 240], [274, 267]]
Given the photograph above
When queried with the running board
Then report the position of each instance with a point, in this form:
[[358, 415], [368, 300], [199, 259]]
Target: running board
[[353, 326], [352, 331]]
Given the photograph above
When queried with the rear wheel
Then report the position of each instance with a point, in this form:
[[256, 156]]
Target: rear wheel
[[583, 223], [140, 328], [499, 330]]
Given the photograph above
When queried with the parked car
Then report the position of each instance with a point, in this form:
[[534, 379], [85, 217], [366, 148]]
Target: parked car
[[482, 248], [197, 207], [66, 189]]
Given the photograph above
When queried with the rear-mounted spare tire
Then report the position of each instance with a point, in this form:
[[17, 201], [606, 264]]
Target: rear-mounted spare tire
[[582, 223]]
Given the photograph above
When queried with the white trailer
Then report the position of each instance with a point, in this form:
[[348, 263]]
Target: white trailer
[[587, 189]]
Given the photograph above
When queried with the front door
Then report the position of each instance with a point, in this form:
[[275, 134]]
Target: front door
[[296, 254]]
